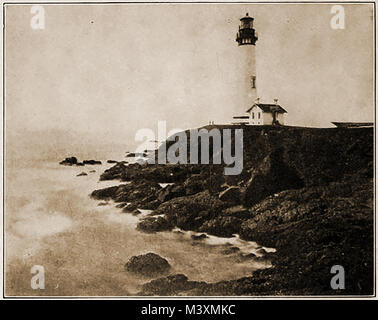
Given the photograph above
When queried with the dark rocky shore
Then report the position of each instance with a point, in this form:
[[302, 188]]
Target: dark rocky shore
[[306, 192]]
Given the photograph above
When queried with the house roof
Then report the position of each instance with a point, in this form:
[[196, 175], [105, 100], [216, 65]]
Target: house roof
[[265, 107]]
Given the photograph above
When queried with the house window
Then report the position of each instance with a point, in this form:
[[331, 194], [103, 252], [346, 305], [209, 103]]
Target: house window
[[253, 82], [259, 114], [253, 115]]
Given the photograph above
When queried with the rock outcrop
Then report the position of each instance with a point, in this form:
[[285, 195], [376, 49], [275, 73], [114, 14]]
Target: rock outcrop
[[69, 161], [231, 195], [170, 285], [149, 264], [154, 224], [306, 192], [271, 176], [92, 162], [141, 191]]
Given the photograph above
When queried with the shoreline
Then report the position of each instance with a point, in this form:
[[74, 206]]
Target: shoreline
[[87, 255], [315, 219]]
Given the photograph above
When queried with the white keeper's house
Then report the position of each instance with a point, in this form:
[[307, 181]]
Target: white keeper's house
[[266, 114]]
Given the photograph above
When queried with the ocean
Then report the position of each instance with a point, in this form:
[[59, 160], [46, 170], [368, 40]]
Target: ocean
[[51, 221]]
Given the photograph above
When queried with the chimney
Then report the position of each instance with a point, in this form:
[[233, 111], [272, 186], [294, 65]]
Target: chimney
[[276, 101], [257, 100]]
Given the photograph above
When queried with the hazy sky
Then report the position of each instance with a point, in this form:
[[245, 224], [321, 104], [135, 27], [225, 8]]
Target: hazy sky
[[98, 73]]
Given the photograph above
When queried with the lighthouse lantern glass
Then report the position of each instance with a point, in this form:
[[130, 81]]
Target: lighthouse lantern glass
[[247, 24]]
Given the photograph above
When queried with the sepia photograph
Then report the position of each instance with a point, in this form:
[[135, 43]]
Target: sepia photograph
[[188, 149]]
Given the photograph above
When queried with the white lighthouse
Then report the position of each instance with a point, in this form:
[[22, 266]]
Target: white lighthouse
[[246, 39], [255, 113]]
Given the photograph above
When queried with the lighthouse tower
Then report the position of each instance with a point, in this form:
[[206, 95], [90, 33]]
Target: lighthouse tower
[[246, 39]]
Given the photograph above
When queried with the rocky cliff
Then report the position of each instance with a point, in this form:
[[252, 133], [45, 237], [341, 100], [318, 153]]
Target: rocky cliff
[[306, 192]]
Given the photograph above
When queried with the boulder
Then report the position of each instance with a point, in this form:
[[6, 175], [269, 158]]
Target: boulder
[[149, 264], [81, 174]]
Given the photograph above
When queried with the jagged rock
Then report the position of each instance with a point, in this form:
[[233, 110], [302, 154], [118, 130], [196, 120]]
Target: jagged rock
[[154, 224], [135, 155], [104, 194], [136, 212], [222, 226], [238, 212], [271, 176], [69, 161], [170, 285], [149, 264], [129, 208], [92, 162], [308, 193], [199, 237], [261, 251], [132, 192], [242, 257], [146, 204], [170, 192], [231, 194], [190, 212], [114, 172], [230, 250], [193, 184], [152, 172], [223, 187]]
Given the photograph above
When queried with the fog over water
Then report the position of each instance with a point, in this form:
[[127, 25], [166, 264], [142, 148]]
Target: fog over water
[[51, 221]]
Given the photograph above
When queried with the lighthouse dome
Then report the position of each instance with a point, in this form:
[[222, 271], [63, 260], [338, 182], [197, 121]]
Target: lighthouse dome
[[246, 18]]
